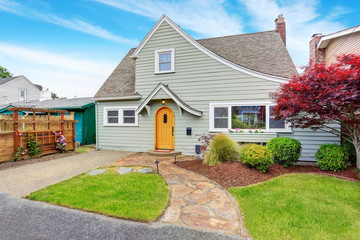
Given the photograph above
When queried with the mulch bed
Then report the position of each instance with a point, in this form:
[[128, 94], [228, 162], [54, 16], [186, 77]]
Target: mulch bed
[[5, 165], [236, 174]]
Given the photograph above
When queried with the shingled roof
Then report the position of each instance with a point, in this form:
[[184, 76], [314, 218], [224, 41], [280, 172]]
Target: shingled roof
[[121, 82], [6, 80], [263, 52], [72, 103]]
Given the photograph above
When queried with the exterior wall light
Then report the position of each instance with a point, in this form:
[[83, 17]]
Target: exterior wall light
[[163, 101]]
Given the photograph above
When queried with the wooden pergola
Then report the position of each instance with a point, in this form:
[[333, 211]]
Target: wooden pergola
[[16, 120], [27, 109]]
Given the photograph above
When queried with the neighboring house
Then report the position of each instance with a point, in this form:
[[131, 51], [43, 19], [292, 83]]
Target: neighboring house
[[45, 94], [325, 48], [84, 109], [172, 87], [15, 89]]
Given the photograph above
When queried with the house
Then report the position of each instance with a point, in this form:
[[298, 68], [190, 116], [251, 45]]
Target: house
[[15, 89], [325, 48], [84, 109], [171, 88]]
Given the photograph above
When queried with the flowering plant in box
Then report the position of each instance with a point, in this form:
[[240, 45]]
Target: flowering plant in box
[[19, 152], [60, 142]]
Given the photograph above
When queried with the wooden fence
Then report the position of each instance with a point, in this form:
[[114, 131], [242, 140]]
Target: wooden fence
[[16, 129]]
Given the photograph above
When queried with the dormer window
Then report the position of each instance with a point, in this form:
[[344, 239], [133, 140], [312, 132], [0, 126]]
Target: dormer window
[[165, 61]]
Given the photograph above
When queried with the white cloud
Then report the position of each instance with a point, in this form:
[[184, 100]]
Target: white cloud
[[302, 21], [71, 23], [9, 6], [62, 73], [205, 17], [52, 59]]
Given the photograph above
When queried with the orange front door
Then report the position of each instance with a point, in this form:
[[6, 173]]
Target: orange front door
[[164, 129]]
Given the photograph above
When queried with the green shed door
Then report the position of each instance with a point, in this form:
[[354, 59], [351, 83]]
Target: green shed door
[[89, 132]]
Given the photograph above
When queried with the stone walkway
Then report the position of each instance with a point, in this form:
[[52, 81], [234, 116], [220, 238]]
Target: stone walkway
[[195, 201]]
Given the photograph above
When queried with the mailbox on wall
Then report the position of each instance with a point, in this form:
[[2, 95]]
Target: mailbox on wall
[[188, 131], [197, 149]]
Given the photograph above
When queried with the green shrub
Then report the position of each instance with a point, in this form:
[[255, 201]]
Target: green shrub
[[350, 151], [285, 151], [33, 145], [256, 156], [331, 157], [220, 149]]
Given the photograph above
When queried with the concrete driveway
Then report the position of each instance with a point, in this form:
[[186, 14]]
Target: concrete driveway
[[25, 219], [22, 180]]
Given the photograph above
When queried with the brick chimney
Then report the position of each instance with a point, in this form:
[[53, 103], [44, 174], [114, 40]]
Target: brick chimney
[[316, 55], [280, 27]]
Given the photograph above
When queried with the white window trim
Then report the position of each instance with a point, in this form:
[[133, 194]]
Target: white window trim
[[121, 116], [157, 66], [229, 104], [25, 95]]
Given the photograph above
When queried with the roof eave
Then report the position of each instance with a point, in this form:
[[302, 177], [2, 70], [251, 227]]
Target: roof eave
[[325, 40], [102, 99]]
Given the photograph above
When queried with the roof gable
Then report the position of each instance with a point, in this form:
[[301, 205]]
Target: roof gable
[[171, 95], [210, 53], [262, 55], [5, 81]]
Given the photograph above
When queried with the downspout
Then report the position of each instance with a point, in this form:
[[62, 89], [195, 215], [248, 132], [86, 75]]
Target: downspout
[[96, 126]]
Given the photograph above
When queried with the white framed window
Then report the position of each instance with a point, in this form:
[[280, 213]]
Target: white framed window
[[245, 116], [22, 95], [120, 116], [275, 124], [165, 61]]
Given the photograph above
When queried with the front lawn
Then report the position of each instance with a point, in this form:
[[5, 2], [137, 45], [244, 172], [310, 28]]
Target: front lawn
[[301, 206], [136, 196]]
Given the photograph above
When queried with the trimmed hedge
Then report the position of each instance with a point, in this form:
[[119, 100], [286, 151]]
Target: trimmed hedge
[[256, 156], [222, 148], [285, 151], [331, 157]]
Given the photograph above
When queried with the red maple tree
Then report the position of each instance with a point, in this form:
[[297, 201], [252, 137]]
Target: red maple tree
[[323, 96]]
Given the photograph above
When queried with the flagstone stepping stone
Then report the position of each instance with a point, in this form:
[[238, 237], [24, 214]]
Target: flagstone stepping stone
[[124, 170], [194, 200], [145, 170], [96, 172]]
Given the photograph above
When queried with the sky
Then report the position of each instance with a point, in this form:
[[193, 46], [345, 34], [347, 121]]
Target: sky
[[71, 47]]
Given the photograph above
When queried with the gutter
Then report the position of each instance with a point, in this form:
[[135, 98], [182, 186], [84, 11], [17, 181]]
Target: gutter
[[96, 127], [134, 97]]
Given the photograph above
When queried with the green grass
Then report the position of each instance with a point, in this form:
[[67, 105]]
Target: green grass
[[83, 149], [141, 197], [301, 206]]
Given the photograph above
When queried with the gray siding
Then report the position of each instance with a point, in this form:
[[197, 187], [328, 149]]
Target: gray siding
[[198, 80], [11, 91]]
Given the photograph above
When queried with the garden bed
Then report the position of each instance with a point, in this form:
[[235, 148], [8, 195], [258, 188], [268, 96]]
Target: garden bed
[[236, 174]]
